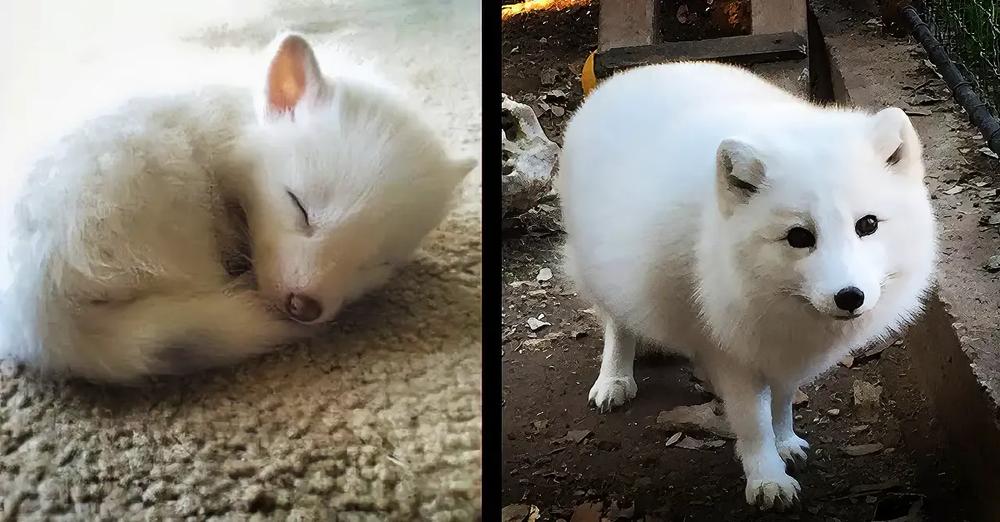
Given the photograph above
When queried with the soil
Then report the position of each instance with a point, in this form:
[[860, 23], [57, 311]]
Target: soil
[[573, 463]]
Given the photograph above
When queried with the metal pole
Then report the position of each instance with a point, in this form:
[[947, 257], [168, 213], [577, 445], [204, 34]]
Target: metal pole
[[961, 89]]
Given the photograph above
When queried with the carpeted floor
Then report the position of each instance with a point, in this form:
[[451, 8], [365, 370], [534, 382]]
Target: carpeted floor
[[380, 420]]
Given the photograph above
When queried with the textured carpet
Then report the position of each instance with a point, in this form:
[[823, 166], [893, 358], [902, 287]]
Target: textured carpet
[[379, 420]]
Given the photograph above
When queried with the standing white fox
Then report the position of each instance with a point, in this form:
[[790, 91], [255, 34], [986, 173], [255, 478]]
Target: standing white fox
[[121, 237], [710, 212]]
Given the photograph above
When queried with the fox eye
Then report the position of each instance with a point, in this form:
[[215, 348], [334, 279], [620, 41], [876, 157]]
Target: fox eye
[[295, 199], [866, 226], [799, 237]]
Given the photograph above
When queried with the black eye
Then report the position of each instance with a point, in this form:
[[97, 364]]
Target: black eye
[[866, 226], [799, 237], [295, 199]]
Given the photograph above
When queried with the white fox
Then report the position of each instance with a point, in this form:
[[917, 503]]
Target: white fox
[[122, 234], [763, 236]]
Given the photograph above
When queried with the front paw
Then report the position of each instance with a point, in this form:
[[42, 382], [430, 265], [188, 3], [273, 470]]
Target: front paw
[[777, 491], [610, 392], [792, 450]]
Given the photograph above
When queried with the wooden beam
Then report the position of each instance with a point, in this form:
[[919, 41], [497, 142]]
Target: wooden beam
[[626, 23], [743, 50], [778, 16]]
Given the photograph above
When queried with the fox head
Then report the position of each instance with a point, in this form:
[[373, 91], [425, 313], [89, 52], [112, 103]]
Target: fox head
[[342, 172], [834, 215]]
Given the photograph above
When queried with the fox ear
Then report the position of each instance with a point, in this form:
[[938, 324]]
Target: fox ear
[[740, 173], [895, 140], [293, 76]]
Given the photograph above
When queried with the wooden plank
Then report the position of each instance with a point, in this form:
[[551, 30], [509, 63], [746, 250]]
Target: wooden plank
[[743, 50], [626, 23], [778, 16]]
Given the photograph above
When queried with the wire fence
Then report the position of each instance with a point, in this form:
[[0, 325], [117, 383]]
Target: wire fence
[[970, 30]]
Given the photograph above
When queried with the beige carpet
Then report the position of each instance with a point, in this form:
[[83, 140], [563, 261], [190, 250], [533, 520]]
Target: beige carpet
[[378, 421]]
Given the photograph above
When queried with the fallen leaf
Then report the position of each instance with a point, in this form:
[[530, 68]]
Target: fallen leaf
[[917, 112], [535, 324], [544, 275], [690, 443], [866, 398], [548, 76], [833, 412], [987, 151], [702, 417], [860, 450], [859, 428], [954, 190], [674, 438], [540, 424], [682, 13], [517, 513], [800, 398], [575, 436], [875, 488], [557, 111], [589, 512]]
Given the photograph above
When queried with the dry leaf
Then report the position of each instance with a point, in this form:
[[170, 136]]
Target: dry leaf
[[800, 398], [674, 438], [589, 512], [861, 450], [575, 436], [535, 324], [702, 417]]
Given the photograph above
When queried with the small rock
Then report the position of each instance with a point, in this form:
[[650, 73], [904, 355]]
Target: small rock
[[861, 450], [993, 264], [515, 513], [540, 424], [833, 412], [674, 438], [800, 398], [954, 190], [544, 274], [847, 361], [557, 111]]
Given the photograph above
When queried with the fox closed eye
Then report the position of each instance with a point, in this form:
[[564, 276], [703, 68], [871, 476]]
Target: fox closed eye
[[298, 203]]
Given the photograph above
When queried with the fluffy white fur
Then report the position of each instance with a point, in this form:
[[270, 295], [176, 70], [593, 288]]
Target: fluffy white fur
[[679, 185], [124, 228]]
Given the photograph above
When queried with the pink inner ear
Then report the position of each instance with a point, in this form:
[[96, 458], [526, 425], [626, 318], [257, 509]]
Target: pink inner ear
[[286, 78]]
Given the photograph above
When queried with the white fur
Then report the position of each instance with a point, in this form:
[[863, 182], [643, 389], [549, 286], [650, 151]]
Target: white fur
[[673, 253], [121, 228]]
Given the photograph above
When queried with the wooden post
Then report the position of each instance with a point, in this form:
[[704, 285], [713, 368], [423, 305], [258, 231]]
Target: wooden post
[[778, 16], [626, 23]]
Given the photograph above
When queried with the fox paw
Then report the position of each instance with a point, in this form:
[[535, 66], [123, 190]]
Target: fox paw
[[610, 392], [792, 450], [773, 492]]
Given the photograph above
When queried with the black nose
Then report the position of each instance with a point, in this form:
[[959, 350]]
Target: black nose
[[303, 308], [849, 299]]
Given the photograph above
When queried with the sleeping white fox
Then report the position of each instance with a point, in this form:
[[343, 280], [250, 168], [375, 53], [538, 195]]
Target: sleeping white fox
[[124, 236]]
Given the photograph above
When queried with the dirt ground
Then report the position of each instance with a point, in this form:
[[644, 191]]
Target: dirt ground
[[570, 462]]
